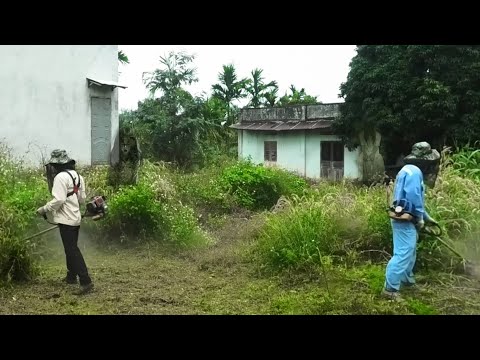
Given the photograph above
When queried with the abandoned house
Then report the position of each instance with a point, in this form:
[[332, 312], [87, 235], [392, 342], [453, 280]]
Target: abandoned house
[[60, 96], [297, 138]]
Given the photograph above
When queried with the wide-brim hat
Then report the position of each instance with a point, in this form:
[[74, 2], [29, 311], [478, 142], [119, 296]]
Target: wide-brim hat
[[60, 157], [423, 152]]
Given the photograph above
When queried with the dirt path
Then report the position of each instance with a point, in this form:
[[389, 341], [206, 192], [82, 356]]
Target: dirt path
[[219, 280]]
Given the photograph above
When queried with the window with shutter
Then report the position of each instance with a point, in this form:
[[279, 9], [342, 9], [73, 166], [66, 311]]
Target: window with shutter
[[270, 151], [331, 160]]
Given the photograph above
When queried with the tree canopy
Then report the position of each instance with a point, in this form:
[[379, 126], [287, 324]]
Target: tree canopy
[[412, 93]]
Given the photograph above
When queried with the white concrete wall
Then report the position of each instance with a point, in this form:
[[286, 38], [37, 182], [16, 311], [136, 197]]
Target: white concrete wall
[[45, 100]]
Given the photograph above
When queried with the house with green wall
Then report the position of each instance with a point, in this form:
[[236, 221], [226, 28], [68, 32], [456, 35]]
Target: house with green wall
[[297, 138]]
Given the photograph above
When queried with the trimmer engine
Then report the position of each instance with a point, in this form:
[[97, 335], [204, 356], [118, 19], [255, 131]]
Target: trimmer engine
[[96, 207]]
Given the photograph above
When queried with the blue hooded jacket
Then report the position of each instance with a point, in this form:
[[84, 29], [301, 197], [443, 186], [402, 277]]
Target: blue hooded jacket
[[409, 186]]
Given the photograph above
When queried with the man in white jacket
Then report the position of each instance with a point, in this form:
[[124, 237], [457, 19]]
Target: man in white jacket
[[68, 193]]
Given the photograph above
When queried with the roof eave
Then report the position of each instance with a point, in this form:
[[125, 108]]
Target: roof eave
[[101, 83]]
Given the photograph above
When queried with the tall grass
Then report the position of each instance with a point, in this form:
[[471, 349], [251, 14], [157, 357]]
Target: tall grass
[[455, 201], [466, 161], [22, 191], [332, 219], [336, 219], [203, 189]]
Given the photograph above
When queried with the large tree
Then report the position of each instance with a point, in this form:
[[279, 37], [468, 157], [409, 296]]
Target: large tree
[[177, 126], [175, 72], [411, 93]]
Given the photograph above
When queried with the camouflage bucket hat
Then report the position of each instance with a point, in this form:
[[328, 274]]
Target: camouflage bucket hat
[[60, 157], [423, 151]]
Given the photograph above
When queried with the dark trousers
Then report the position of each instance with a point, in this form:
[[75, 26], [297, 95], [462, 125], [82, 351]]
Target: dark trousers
[[75, 263]]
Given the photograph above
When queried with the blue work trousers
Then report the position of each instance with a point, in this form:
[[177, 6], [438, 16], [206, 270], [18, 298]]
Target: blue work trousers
[[400, 267]]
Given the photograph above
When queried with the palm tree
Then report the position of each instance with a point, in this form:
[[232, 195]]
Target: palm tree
[[257, 89], [229, 88], [170, 79], [271, 97]]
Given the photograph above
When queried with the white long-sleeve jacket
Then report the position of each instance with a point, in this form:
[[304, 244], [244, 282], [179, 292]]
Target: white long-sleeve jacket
[[66, 210]]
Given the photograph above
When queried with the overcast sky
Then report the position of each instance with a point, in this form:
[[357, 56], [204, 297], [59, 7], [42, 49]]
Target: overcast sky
[[320, 69]]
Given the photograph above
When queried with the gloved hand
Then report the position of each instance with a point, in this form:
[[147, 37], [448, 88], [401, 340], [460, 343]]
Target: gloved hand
[[420, 225], [41, 211], [432, 221]]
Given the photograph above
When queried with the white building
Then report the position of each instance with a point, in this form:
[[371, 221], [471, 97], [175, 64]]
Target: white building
[[60, 96], [297, 138]]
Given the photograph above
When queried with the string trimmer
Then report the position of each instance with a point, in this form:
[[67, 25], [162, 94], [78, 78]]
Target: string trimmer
[[40, 233], [95, 209], [435, 231]]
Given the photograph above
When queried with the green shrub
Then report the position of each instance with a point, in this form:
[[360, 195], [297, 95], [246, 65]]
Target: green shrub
[[257, 187], [133, 212], [137, 212]]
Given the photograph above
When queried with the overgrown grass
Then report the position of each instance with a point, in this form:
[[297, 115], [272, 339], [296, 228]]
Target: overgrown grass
[[97, 180], [151, 211], [21, 193], [455, 201], [228, 185], [341, 219], [332, 219], [203, 189]]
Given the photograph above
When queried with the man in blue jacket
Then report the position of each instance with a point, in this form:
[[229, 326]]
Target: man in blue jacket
[[421, 167]]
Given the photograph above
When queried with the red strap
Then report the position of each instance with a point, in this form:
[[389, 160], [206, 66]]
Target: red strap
[[75, 186]]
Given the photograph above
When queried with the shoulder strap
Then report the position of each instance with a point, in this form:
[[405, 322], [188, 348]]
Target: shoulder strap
[[75, 186]]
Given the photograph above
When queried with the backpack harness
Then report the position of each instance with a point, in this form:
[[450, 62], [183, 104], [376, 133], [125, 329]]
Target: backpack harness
[[75, 186]]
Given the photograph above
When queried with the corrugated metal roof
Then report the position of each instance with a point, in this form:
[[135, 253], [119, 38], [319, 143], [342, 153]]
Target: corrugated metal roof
[[283, 125]]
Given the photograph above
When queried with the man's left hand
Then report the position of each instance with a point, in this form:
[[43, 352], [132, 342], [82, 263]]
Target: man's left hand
[[41, 211], [420, 224]]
